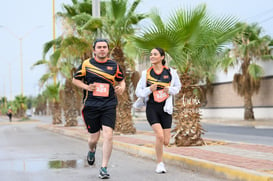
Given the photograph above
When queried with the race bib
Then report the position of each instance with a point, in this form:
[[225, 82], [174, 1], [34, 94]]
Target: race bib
[[160, 95], [102, 90]]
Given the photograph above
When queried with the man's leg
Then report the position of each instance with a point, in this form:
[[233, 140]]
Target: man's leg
[[93, 140], [107, 144]]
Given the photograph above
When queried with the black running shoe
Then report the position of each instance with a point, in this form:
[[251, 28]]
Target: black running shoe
[[91, 157], [103, 173]]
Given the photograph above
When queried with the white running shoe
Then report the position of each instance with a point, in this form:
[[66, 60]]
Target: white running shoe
[[160, 168]]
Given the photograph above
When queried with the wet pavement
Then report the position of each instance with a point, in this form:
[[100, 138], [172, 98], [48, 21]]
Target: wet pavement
[[234, 161], [32, 151]]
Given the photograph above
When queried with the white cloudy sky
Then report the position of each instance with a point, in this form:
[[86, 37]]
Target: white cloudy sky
[[31, 20]]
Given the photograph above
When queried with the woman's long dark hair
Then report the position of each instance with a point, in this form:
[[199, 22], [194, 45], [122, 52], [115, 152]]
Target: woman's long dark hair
[[162, 53]]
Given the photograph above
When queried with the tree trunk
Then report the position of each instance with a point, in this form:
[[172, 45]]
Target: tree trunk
[[188, 129], [249, 114], [69, 104], [56, 112], [21, 111], [124, 121]]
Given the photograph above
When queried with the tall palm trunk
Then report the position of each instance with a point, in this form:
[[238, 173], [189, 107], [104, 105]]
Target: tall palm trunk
[[69, 105], [249, 114], [21, 111], [188, 129], [56, 112], [124, 121]]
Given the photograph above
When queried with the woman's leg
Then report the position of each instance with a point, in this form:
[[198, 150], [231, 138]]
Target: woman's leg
[[167, 136], [159, 141]]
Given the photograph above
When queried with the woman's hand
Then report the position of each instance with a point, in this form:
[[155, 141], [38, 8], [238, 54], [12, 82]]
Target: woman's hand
[[166, 89], [153, 87]]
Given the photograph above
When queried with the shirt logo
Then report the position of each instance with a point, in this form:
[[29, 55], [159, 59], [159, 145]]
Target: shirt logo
[[165, 77], [109, 68]]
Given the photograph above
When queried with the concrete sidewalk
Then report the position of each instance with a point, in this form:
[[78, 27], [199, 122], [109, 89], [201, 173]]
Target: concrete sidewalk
[[234, 161]]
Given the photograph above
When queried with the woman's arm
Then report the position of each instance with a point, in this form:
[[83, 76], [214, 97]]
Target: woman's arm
[[142, 90], [176, 86]]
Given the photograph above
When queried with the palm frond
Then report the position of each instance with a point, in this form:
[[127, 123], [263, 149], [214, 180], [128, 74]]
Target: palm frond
[[40, 62], [81, 19], [75, 46], [255, 71], [55, 57], [53, 43], [45, 78], [93, 24]]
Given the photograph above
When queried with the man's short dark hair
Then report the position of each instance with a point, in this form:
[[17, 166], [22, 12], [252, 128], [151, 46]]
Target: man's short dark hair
[[100, 40]]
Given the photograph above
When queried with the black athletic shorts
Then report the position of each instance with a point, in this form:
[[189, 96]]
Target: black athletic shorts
[[156, 114], [95, 117]]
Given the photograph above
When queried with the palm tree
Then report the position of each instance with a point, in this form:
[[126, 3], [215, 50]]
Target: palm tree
[[40, 105], [82, 28], [53, 67], [74, 47], [70, 95], [192, 39], [3, 102], [52, 93], [19, 105], [249, 47], [118, 26]]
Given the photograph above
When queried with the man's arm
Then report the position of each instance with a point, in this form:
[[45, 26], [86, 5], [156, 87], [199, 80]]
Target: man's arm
[[80, 84], [119, 89]]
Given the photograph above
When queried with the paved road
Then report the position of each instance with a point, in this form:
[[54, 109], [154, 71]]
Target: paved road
[[239, 134], [229, 133], [28, 153], [219, 132]]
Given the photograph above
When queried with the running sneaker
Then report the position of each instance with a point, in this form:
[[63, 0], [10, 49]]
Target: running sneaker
[[91, 157], [160, 168], [103, 173]]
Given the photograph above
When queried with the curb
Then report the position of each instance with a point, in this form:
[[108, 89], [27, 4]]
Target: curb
[[221, 170], [228, 172]]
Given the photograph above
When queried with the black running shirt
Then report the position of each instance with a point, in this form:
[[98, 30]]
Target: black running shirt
[[162, 80], [104, 74]]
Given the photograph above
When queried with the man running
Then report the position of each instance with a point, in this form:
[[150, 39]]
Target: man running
[[97, 76]]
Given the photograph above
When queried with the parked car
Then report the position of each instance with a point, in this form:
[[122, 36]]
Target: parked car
[[28, 113]]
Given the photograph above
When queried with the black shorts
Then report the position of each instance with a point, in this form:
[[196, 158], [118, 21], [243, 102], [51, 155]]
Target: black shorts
[[95, 117], [156, 114]]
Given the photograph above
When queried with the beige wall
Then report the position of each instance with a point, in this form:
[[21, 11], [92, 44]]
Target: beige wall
[[224, 96]]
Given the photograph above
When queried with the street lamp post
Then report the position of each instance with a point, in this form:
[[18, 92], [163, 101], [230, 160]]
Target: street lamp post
[[96, 8], [21, 50], [10, 81], [96, 11]]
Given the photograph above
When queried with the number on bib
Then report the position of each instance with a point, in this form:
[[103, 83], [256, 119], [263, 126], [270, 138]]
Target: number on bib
[[102, 90], [160, 95]]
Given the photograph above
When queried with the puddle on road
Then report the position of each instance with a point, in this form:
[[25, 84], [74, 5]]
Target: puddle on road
[[38, 165]]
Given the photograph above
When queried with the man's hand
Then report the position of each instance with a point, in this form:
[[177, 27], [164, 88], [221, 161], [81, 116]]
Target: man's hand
[[91, 87], [119, 89]]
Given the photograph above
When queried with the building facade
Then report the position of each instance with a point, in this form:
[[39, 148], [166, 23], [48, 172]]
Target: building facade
[[224, 102]]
